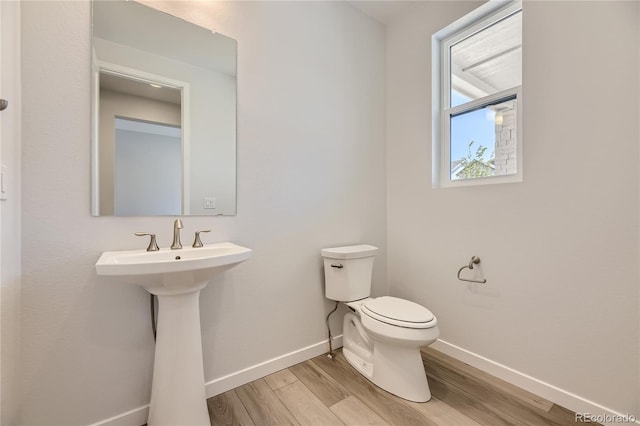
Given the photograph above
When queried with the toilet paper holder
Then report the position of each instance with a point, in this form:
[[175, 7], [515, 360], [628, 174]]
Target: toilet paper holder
[[474, 261]]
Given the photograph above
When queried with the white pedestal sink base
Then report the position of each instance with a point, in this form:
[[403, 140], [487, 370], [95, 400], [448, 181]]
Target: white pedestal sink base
[[178, 394], [176, 277]]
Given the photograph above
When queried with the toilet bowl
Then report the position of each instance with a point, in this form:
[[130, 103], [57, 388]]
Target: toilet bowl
[[382, 340], [381, 336]]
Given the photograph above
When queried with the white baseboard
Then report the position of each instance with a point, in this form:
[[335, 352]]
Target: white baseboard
[[220, 385], [239, 378], [545, 390], [138, 416]]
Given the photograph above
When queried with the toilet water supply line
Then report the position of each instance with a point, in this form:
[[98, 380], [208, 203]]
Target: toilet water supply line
[[330, 355], [152, 306]]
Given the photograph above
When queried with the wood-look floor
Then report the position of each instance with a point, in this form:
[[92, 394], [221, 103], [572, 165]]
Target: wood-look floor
[[324, 392]]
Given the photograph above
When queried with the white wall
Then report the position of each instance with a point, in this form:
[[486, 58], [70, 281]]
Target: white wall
[[10, 226], [311, 174], [561, 303], [559, 250], [149, 164]]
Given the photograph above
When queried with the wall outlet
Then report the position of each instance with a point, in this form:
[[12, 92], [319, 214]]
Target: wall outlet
[[209, 203]]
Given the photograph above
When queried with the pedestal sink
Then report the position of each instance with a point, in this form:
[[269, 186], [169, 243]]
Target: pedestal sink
[[176, 277]]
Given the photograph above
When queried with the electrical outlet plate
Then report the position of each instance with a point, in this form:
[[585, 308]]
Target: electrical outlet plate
[[209, 203]]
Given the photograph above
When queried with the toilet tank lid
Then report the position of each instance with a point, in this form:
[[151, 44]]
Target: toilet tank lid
[[349, 252]]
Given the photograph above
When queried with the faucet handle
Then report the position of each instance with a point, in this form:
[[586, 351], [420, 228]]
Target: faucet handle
[[197, 242], [153, 246]]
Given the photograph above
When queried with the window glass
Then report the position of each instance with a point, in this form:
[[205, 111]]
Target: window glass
[[487, 62], [484, 141]]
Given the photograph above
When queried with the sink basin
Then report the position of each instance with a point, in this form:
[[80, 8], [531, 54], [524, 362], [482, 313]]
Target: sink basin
[[141, 262], [176, 278]]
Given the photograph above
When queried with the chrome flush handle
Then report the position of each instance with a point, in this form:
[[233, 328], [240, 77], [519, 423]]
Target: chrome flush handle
[[197, 242], [153, 245]]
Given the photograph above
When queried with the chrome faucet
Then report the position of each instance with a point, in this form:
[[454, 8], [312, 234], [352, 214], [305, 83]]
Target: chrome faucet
[[177, 226]]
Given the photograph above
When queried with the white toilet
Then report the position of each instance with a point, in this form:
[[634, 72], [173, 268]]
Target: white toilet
[[383, 336]]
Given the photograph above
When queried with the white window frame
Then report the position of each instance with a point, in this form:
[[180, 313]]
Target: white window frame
[[481, 18]]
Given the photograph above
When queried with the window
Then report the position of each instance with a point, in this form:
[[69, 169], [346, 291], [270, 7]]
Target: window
[[477, 119]]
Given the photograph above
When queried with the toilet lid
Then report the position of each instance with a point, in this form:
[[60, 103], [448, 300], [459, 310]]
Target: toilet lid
[[400, 312]]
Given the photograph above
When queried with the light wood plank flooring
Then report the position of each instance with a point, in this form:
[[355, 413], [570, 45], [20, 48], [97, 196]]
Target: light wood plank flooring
[[324, 392]]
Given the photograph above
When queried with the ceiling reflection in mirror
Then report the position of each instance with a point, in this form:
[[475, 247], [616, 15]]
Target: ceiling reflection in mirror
[[163, 115]]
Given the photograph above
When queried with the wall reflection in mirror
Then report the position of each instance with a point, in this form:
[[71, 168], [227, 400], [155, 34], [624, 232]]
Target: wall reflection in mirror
[[164, 115]]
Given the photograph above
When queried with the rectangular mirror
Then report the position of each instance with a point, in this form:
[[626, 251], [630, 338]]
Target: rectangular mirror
[[163, 115]]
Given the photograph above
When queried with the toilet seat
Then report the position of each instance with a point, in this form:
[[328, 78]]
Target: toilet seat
[[398, 312]]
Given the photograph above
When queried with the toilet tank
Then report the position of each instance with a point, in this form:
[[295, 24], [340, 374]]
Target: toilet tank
[[347, 272]]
